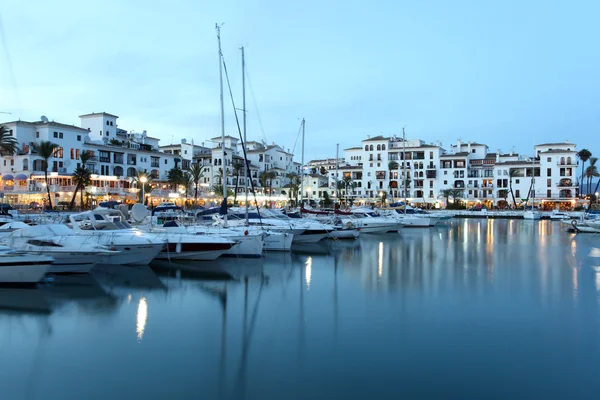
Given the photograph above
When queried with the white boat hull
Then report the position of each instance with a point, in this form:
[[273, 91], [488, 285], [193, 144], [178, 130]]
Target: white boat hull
[[531, 215], [345, 234], [247, 246], [416, 222], [378, 228], [276, 241], [208, 255], [309, 237], [23, 268], [132, 255]]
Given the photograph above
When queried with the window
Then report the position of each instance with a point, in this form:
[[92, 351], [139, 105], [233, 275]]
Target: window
[[366, 147], [111, 123], [569, 160], [431, 154], [100, 133], [548, 193], [549, 182], [37, 135], [12, 162], [517, 193], [60, 135], [368, 173], [77, 154], [445, 172], [516, 181], [473, 151], [378, 147], [78, 138], [371, 164], [58, 152], [549, 159], [445, 182], [166, 161], [56, 134], [371, 147], [107, 123], [72, 154], [549, 172]]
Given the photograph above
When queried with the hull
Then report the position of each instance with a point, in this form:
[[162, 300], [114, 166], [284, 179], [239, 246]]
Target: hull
[[410, 222], [345, 234], [531, 215], [132, 254], [247, 246], [208, 255], [378, 228], [23, 269], [70, 263], [308, 237], [278, 242]]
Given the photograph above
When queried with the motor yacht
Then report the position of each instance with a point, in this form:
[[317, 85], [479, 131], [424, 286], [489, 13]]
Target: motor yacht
[[22, 268]]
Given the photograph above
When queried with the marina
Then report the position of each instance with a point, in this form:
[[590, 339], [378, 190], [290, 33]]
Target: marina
[[332, 319]]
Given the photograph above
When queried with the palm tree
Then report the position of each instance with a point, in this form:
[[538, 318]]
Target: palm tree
[[583, 155], [591, 172], [197, 175], [188, 182], [8, 143], [347, 179], [175, 177], [218, 189], [512, 174], [446, 193], [81, 177], [340, 186], [45, 149], [294, 179], [80, 181], [237, 166], [271, 175], [392, 165]]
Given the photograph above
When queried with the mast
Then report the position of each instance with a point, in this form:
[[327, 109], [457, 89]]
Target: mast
[[302, 169], [223, 158], [337, 152], [404, 167], [246, 167]]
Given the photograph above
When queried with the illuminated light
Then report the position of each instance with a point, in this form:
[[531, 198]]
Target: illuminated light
[[129, 298], [380, 260], [142, 316], [308, 272], [594, 252], [575, 283]]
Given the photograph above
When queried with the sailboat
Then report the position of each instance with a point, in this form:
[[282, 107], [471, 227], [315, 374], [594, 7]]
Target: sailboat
[[532, 214]]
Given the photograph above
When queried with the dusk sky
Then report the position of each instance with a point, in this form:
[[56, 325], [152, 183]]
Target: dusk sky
[[505, 73]]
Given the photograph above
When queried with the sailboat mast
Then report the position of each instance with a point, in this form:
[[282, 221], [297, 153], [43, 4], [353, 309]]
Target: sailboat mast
[[302, 168], [337, 157], [246, 166], [404, 167], [223, 158]]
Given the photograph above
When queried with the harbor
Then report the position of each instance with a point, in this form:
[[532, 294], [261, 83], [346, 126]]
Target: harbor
[[362, 318]]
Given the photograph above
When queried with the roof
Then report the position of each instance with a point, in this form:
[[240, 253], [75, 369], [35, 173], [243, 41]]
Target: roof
[[474, 144], [100, 113], [491, 155], [460, 154], [49, 123], [376, 138], [353, 148], [557, 151], [350, 167], [324, 185], [226, 137], [509, 155], [556, 144], [517, 162]]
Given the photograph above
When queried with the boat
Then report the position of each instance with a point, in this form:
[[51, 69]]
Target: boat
[[72, 254], [368, 221], [22, 268], [559, 215], [109, 228]]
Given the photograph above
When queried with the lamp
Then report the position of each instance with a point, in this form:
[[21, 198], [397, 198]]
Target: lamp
[[143, 179]]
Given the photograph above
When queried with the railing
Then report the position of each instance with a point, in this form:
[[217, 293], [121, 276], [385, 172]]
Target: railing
[[566, 164]]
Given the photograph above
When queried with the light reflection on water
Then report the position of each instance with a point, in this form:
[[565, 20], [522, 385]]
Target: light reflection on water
[[444, 312]]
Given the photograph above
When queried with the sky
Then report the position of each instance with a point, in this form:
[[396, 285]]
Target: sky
[[505, 73]]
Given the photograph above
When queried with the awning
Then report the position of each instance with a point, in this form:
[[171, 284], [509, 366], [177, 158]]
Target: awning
[[8, 177], [21, 177]]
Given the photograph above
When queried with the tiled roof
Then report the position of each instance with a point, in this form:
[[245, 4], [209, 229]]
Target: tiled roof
[[461, 154], [376, 138]]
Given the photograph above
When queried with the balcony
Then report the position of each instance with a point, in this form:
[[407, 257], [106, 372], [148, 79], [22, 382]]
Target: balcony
[[118, 160], [566, 164]]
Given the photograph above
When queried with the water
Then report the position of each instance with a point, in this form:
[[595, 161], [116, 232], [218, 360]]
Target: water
[[477, 309]]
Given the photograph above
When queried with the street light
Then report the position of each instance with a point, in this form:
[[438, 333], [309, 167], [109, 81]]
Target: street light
[[143, 179]]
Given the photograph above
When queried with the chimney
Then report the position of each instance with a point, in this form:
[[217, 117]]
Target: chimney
[[498, 155], [368, 136], [468, 147]]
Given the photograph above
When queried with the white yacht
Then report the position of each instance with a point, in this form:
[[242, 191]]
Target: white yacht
[[71, 253], [368, 221], [110, 229], [531, 215]]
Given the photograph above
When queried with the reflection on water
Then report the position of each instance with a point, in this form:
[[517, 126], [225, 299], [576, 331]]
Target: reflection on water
[[443, 312], [142, 316]]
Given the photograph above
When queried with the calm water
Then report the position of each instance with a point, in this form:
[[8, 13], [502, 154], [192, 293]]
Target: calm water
[[475, 309]]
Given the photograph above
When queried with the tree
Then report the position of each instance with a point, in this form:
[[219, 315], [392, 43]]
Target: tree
[[347, 179], [326, 199], [79, 178], [175, 177], [45, 149], [237, 166], [218, 189], [294, 180], [197, 175], [591, 172], [446, 193], [8, 143], [532, 171], [583, 155], [512, 174], [392, 165], [457, 194], [271, 175], [188, 182], [340, 186], [115, 142]]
